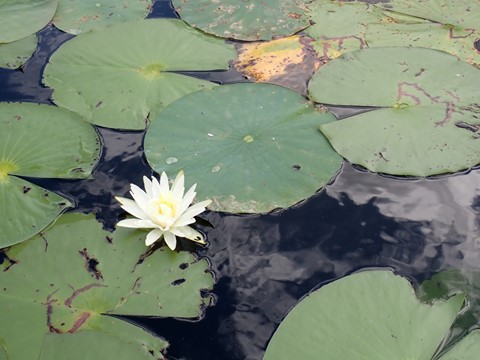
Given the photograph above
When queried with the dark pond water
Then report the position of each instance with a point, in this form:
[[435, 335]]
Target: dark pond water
[[265, 263]]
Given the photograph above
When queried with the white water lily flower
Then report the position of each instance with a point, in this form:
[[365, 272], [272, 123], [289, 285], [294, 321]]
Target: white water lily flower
[[166, 211]]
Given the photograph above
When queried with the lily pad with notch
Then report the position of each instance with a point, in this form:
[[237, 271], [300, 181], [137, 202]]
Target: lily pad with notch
[[122, 76], [250, 147], [429, 117], [76, 16], [384, 320], [21, 18], [244, 20], [86, 275], [39, 141]]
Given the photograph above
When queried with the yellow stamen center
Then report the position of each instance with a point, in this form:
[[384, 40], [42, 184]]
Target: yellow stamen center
[[6, 167]]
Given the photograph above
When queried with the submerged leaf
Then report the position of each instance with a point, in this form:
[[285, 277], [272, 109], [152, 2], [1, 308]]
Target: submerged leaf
[[122, 76], [244, 20], [384, 320], [87, 274], [289, 62], [39, 141], [249, 147], [428, 123]]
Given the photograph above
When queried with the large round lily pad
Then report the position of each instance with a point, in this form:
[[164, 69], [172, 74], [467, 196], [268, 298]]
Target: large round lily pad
[[86, 274], [428, 123], [249, 147], [76, 16], [461, 13], [21, 18], [39, 141], [121, 76], [371, 315], [244, 20], [15, 54]]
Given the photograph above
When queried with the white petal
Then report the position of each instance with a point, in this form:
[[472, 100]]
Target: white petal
[[136, 223], [178, 187], [189, 233], [131, 207], [164, 188], [170, 239], [187, 200], [155, 188], [139, 196], [153, 236], [148, 186], [183, 221], [193, 211]]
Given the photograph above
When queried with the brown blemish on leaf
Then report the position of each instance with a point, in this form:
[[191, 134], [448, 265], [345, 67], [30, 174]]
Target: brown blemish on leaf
[[91, 264], [68, 302]]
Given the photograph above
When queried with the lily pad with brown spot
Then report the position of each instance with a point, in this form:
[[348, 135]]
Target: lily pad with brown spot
[[429, 117], [289, 62], [87, 274], [249, 20]]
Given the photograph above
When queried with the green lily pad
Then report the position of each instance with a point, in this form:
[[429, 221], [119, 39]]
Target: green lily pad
[[87, 274], [466, 349], [76, 16], [15, 54], [121, 76], [458, 42], [21, 18], [249, 147], [428, 123], [382, 320], [340, 27], [79, 347], [462, 13], [39, 141], [244, 20]]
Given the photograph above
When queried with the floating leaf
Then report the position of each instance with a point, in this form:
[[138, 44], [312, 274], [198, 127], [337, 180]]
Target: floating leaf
[[39, 141], [466, 349], [92, 345], [339, 27], [287, 61], [21, 18], [456, 41], [249, 147], [462, 13], [384, 320], [76, 16], [244, 20], [122, 76], [15, 54], [86, 274], [429, 121]]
